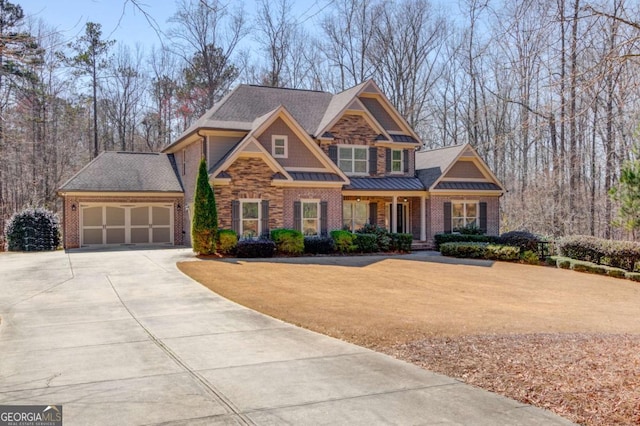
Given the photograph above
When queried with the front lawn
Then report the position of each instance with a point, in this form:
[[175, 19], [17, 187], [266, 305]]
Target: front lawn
[[464, 320]]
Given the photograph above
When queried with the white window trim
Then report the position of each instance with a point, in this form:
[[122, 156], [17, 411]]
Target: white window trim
[[286, 146], [241, 218], [465, 217], [401, 171], [354, 202], [352, 148], [302, 218]]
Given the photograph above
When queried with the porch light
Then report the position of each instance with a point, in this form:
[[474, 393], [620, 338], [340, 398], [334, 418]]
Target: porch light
[[73, 207], [358, 199], [179, 207], [405, 199]]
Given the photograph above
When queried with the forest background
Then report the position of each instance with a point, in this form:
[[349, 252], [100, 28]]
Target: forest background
[[545, 90]]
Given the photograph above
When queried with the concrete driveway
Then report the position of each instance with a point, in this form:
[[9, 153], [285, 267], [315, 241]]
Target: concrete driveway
[[122, 337]]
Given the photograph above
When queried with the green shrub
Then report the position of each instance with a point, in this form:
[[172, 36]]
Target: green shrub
[[255, 248], [500, 252], [616, 273], [634, 276], [469, 230], [530, 257], [227, 241], [33, 230], [564, 264], [383, 237], [480, 251], [343, 241], [619, 254], [366, 243], [204, 226], [521, 239], [288, 241], [401, 242], [459, 238], [465, 250], [319, 245]]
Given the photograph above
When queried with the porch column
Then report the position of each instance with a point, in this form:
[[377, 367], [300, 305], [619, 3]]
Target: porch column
[[394, 214], [423, 218]]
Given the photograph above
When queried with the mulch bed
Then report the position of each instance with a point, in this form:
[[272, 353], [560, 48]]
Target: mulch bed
[[589, 379]]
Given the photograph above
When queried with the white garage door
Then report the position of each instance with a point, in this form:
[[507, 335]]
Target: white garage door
[[126, 224]]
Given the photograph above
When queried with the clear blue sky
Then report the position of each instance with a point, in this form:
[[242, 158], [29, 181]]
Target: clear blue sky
[[123, 22]]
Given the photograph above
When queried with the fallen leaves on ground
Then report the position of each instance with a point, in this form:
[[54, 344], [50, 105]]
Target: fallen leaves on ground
[[588, 379]]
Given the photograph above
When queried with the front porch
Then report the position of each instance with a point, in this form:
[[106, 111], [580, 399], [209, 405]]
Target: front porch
[[401, 213]]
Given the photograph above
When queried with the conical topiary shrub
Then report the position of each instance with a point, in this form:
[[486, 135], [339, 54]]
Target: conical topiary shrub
[[205, 216]]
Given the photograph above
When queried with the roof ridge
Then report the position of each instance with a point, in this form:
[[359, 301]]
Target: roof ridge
[[287, 88], [443, 147]]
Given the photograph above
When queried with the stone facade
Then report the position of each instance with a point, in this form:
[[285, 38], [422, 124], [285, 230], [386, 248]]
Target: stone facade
[[250, 178], [354, 130], [71, 219]]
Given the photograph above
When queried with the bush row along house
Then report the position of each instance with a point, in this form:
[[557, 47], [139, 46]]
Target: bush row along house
[[306, 160]]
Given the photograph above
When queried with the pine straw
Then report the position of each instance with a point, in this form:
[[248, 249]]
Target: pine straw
[[588, 379]]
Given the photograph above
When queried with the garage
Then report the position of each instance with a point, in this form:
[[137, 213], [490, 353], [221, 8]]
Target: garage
[[124, 199], [126, 224]]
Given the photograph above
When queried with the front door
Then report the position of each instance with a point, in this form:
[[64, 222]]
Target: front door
[[402, 224]]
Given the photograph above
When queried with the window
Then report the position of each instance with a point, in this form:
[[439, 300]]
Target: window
[[279, 146], [353, 159], [310, 217], [249, 219], [184, 162], [396, 161], [463, 214], [354, 214]]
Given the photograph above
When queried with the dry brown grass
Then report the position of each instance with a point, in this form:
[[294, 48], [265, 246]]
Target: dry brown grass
[[509, 328]]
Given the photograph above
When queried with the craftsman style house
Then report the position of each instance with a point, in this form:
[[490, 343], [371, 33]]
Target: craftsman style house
[[300, 159]]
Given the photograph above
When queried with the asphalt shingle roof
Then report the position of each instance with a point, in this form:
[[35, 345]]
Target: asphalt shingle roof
[[239, 109], [127, 172], [386, 184]]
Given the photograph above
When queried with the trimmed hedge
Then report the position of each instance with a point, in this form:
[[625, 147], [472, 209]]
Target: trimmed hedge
[[288, 241], [319, 245], [227, 241], [401, 242], [366, 243], [255, 248], [619, 254], [383, 237], [584, 266], [522, 239], [33, 230], [460, 238], [343, 241], [480, 251]]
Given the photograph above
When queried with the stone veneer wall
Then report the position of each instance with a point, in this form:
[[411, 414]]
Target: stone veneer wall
[[250, 178], [354, 130], [71, 219]]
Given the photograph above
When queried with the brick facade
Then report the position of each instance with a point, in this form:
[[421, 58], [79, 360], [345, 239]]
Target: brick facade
[[71, 219], [435, 213], [333, 197]]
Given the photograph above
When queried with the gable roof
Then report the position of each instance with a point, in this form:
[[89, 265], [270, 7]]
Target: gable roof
[[433, 165], [115, 171], [333, 173], [239, 109]]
